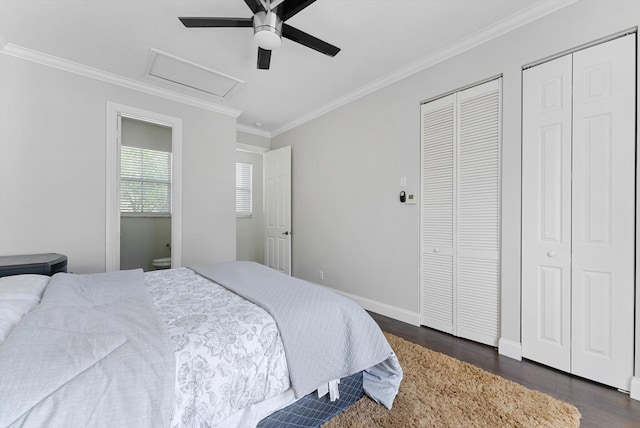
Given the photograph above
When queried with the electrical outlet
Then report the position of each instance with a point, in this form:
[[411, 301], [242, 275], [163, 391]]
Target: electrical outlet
[[321, 275]]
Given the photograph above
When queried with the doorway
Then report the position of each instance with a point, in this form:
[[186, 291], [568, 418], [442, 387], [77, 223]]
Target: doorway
[[145, 195], [122, 121]]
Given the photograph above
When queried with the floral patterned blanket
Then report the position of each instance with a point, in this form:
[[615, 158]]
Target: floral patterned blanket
[[229, 354]]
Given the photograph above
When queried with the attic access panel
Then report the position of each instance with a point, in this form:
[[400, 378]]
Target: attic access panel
[[178, 71]]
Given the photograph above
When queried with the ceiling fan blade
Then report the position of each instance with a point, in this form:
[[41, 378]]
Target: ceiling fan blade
[[264, 59], [308, 40], [255, 6], [289, 8], [206, 22]]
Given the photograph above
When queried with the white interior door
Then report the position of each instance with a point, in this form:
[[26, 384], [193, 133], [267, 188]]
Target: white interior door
[[277, 197], [578, 212], [437, 212], [478, 213], [546, 213], [603, 212], [460, 291]]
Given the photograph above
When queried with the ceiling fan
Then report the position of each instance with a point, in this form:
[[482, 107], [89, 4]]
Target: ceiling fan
[[269, 27]]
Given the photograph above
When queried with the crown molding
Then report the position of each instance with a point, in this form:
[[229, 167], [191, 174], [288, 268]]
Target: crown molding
[[114, 79], [252, 130], [251, 149], [502, 27]]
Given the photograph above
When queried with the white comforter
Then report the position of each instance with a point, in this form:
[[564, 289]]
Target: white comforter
[[228, 351], [94, 353]]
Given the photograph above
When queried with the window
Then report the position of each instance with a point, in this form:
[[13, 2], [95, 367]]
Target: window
[[145, 181], [244, 172]]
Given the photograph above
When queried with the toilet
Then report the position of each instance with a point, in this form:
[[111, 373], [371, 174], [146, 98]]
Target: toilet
[[162, 263]]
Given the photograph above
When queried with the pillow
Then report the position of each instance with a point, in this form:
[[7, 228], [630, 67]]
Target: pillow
[[24, 284], [19, 295]]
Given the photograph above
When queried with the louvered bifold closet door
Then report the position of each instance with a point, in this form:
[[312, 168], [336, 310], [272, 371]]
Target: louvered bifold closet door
[[478, 212], [437, 222], [460, 202]]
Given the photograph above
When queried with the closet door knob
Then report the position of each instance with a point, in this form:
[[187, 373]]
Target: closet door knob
[[436, 250], [551, 253]]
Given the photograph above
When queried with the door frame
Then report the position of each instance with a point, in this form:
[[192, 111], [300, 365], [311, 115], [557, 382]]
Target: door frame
[[116, 111]]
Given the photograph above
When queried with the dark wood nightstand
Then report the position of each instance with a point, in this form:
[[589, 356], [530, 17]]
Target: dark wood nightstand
[[43, 264]]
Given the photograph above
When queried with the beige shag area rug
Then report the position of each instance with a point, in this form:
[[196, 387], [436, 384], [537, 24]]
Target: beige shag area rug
[[440, 391]]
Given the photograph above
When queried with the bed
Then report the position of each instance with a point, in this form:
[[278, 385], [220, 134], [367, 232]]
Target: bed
[[231, 344]]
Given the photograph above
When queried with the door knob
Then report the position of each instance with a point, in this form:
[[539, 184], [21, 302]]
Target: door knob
[[436, 250], [285, 233], [551, 253]]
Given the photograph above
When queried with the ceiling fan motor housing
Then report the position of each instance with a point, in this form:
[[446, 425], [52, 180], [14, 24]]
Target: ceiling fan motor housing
[[267, 30]]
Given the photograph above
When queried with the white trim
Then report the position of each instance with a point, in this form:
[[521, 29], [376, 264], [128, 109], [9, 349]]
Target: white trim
[[634, 390], [583, 46], [251, 149], [634, 393], [112, 185], [252, 130], [112, 229], [394, 312], [510, 349], [114, 79], [508, 24]]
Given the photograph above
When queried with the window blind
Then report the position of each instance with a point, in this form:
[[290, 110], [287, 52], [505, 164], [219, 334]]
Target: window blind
[[145, 181], [244, 206]]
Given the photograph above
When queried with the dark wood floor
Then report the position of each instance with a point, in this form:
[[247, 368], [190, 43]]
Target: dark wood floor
[[601, 406]]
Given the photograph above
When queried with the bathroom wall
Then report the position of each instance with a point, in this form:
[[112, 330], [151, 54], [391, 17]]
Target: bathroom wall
[[250, 230], [143, 239]]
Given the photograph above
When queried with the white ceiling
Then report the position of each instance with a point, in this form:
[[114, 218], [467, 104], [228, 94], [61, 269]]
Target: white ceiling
[[381, 41]]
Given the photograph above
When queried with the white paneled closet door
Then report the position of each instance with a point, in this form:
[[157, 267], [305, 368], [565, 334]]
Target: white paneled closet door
[[603, 232], [578, 212], [546, 213], [460, 213]]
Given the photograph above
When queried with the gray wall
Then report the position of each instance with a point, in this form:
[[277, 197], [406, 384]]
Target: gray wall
[[52, 167], [253, 140], [143, 239], [250, 230], [347, 166], [145, 135]]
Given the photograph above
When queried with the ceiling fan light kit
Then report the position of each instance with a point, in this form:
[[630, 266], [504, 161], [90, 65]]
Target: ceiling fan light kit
[[267, 30]]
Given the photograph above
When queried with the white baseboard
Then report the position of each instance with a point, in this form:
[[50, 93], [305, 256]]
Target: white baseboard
[[394, 312], [634, 393], [510, 349]]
